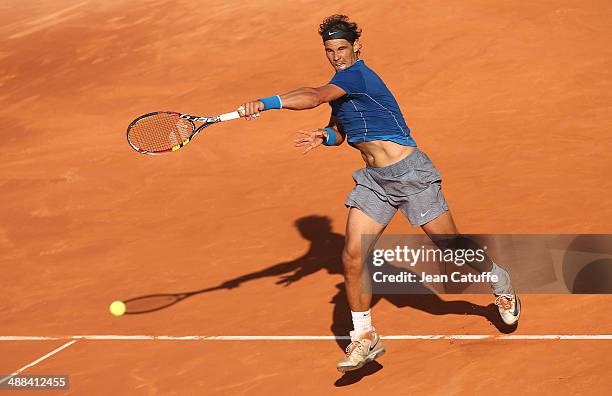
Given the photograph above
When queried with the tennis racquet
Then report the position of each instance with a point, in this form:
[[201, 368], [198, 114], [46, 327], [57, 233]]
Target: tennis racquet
[[163, 132]]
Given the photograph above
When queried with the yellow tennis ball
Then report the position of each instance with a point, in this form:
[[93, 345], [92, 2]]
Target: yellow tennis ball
[[117, 308]]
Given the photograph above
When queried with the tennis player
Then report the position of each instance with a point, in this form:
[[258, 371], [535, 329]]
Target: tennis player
[[398, 175]]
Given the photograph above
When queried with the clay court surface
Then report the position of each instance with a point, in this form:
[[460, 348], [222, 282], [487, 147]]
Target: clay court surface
[[512, 102]]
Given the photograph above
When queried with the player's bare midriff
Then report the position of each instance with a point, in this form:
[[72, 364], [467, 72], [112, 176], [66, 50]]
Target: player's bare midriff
[[381, 153]]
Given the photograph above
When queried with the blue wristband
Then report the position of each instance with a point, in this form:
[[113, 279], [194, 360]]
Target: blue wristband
[[331, 137], [271, 102]]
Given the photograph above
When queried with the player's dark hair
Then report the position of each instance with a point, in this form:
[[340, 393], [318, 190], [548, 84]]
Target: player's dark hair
[[340, 22]]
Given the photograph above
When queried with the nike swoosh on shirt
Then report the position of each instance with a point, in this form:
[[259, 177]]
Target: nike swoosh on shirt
[[423, 214]]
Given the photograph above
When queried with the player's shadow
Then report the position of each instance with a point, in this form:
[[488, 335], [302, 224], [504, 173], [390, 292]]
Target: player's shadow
[[324, 254]]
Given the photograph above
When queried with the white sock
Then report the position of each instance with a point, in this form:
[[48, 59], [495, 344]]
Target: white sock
[[503, 285], [362, 321]]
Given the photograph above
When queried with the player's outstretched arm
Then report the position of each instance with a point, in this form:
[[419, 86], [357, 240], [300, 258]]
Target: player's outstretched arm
[[309, 98], [299, 99]]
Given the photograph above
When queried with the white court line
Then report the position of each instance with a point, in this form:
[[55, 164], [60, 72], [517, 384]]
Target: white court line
[[35, 362], [308, 338]]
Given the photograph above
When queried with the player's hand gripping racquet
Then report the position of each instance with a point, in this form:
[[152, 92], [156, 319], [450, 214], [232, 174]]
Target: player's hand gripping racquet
[[166, 131]]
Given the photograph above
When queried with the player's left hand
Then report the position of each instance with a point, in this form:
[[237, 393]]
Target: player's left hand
[[251, 110], [312, 139], [287, 280]]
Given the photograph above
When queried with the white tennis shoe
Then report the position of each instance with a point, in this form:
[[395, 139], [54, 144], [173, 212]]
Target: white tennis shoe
[[509, 306], [364, 348]]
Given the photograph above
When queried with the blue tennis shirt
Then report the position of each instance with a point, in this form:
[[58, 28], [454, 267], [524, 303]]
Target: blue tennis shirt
[[368, 111]]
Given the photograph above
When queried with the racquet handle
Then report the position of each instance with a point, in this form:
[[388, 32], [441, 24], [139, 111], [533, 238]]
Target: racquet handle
[[229, 116]]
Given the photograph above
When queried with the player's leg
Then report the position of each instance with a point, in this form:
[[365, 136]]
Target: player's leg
[[427, 207], [443, 232], [365, 343], [360, 229]]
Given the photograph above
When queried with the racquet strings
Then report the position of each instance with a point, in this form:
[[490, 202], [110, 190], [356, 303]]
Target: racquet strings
[[160, 132]]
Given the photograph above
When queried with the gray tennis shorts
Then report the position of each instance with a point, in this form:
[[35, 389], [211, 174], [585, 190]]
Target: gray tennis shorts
[[412, 185]]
